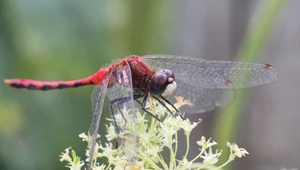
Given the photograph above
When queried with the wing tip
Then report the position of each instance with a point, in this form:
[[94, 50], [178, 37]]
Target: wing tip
[[273, 72]]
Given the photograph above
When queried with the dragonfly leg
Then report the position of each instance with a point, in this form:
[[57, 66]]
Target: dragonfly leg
[[156, 98], [167, 107], [114, 118], [117, 127], [143, 104], [172, 106], [118, 105], [118, 102]]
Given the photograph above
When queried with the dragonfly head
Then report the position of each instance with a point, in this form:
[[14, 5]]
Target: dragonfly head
[[162, 83]]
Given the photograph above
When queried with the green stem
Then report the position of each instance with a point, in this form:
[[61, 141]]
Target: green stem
[[172, 156], [198, 156], [163, 163], [108, 166], [200, 167], [149, 161], [152, 123], [176, 144], [224, 164], [187, 145]]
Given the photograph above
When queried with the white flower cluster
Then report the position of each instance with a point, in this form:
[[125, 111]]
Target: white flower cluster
[[143, 143], [74, 163]]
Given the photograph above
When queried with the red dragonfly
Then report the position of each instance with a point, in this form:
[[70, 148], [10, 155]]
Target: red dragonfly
[[203, 82]]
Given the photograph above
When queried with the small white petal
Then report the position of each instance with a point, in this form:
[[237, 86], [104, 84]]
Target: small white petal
[[206, 144], [236, 151]]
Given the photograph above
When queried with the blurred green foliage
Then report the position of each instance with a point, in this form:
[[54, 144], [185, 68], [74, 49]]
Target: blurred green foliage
[[62, 40], [256, 37]]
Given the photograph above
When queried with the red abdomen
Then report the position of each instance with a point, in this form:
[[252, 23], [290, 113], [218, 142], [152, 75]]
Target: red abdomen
[[49, 85]]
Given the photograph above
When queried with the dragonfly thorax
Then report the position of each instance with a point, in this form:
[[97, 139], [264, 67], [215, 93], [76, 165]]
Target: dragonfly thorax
[[162, 83]]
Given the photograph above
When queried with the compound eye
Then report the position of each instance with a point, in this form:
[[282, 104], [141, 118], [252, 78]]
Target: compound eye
[[160, 79], [168, 73], [158, 83]]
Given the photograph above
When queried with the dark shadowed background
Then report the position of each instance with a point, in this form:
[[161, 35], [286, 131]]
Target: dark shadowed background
[[61, 40]]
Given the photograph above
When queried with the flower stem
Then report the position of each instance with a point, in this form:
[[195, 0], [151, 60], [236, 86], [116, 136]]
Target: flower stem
[[200, 167], [172, 156], [187, 145], [224, 164], [108, 166], [163, 163], [198, 156], [176, 144], [146, 158]]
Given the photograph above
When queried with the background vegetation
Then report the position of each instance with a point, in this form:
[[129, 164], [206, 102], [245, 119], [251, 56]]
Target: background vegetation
[[61, 40]]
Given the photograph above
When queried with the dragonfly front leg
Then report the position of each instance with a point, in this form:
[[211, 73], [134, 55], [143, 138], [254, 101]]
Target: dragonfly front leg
[[166, 106], [114, 119], [118, 102], [143, 104], [167, 101]]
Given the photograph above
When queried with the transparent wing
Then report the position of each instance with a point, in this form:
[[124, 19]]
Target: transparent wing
[[120, 92], [123, 110], [97, 97], [214, 74], [203, 99], [209, 84]]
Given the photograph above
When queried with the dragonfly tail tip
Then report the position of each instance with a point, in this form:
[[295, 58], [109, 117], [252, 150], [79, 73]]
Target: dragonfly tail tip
[[7, 81]]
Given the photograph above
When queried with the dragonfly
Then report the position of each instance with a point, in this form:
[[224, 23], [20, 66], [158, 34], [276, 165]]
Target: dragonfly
[[135, 78]]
